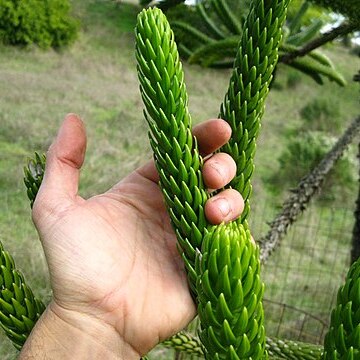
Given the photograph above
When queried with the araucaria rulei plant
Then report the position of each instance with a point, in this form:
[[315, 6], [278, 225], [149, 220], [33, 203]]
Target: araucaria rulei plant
[[222, 262]]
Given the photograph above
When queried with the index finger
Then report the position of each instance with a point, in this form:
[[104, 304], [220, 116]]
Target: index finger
[[211, 135]]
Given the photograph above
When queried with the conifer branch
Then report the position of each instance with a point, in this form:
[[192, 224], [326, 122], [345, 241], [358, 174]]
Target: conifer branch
[[342, 30], [293, 350], [175, 149], [19, 308], [178, 164], [276, 348], [343, 339], [225, 278], [33, 175], [244, 102]]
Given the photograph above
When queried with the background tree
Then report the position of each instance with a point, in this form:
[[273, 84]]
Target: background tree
[[348, 8], [208, 34], [46, 23]]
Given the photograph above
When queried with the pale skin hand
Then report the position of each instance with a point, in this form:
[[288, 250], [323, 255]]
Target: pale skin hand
[[119, 287]]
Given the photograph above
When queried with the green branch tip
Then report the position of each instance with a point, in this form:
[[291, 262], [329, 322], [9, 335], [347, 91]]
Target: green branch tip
[[19, 308]]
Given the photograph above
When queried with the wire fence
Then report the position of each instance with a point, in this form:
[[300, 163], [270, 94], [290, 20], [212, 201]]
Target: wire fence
[[302, 277]]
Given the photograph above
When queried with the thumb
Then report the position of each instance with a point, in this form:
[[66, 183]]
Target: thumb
[[64, 160]]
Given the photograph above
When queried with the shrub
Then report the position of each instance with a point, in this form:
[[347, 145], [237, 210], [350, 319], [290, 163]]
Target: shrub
[[322, 114], [46, 23], [302, 154], [294, 78]]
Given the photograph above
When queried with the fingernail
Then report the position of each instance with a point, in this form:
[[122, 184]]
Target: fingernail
[[72, 115], [224, 206]]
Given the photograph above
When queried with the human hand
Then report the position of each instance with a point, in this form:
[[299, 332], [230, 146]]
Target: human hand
[[115, 270]]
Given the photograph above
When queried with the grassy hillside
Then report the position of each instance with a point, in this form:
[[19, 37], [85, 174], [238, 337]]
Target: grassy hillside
[[96, 78]]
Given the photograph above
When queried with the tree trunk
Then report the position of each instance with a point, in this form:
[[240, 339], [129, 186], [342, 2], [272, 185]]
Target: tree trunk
[[306, 189]]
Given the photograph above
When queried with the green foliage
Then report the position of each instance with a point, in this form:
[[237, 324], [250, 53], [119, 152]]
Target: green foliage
[[176, 156], [298, 38], [349, 8], [244, 102], [33, 175], [19, 309], [343, 339], [303, 152], [221, 53], [210, 37], [276, 348], [185, 343], [316, 70], [227, 16], [292, 350], [296, 18], [293, 79], [322, 114], [229, 295], [229, 291], [46, 23], [179, 165], [315, 64], [312, 12]]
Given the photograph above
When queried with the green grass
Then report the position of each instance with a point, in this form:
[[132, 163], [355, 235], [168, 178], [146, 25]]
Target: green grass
[[96, 78]]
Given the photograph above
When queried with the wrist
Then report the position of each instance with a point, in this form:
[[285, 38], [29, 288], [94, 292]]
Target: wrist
[[72, 335]]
